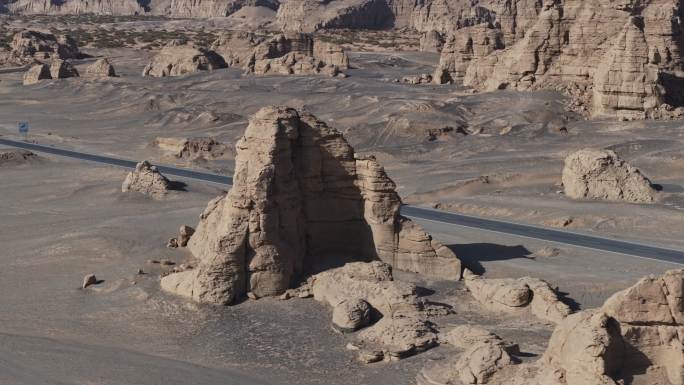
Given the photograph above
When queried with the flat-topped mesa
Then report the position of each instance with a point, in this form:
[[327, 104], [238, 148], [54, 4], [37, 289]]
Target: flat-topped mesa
[[301, 201], [177, 59], [286, 53]]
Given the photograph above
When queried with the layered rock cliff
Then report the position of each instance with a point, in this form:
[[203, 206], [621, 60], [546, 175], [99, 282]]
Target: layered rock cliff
[[614, 53], [170, 8], [300, 199]]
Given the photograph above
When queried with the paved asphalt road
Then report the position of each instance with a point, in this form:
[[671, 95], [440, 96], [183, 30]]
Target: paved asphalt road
[[545, 234]]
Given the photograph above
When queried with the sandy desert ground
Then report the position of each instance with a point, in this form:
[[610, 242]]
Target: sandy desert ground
[[61, 218]]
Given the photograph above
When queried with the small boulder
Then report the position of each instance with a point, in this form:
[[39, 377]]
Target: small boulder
[[101, 68], [184, 235], [62, 69], [351, 315], [147, 180], [89, 280], [37, 73]]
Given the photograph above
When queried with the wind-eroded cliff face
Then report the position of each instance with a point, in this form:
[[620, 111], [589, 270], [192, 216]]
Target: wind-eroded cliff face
[[612, 53], [170, 8]]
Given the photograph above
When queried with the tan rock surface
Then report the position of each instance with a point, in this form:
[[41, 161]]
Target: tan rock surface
[[636, 337], [101, 68], [513, 295], [37, 73], [403, 329], [285, 54], [29, 45], [62, 69], [147, 180], [176, 60], [602, 174], [300, 200], [191, 148]]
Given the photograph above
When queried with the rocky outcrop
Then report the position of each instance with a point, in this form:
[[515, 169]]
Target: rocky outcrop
[[431, 41], [147, 180], [169, 8], [16, 157], [62, 69], [518, 295], [635, 337], [626, 81], [175, 60], [460, 49], [37, 73], [483, 355], [99, 7], [100, 69], [288, 53], [301, 199], [30, 46], [602, 174], [312, 15], [636, 334], [191, 148], [609, 56], [400, 327]]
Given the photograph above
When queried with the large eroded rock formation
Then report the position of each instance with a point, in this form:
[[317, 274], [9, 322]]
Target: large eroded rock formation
[[176, 59], [613, 54], [636, 337], [169, 8], [33, 46], [603, 175], [286, 53], [300, 199]]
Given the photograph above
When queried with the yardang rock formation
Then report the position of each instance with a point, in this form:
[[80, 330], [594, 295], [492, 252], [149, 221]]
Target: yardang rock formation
[[603, 175], [301, 199]]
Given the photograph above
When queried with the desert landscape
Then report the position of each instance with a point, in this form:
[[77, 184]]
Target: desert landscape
[[265, 192]]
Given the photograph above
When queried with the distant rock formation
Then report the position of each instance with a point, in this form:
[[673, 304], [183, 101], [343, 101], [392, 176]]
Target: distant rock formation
[[431, 41], [301, 200], [147, 180], [635, 337], [15, 157], [602, 174], [610, 56], [100, 69], [287, 53], [37, 73], [32, 46], [517, 295], [176, 59], [169, 8], [191, 148], [62, 69]]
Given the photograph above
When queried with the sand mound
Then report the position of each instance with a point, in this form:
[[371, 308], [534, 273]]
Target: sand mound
[[301, 199], [602, 174]]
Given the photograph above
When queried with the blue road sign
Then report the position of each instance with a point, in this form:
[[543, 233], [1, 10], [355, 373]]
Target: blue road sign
[[23, 127]]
